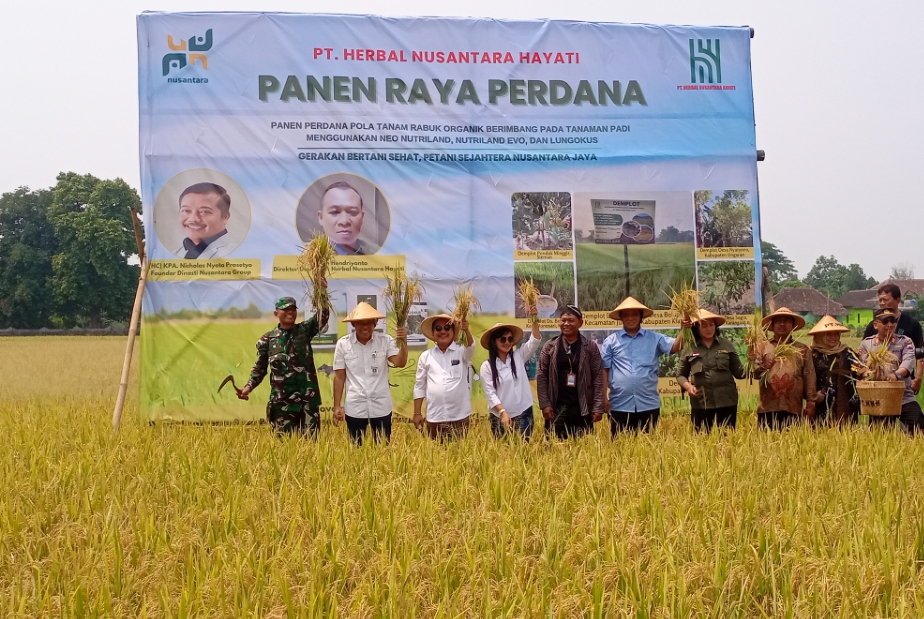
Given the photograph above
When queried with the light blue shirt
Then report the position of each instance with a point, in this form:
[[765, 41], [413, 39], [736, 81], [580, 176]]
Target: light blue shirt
[[633, 366]]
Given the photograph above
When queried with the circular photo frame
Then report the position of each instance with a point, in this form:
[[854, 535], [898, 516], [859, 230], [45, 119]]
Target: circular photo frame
[[201, 214], [350, 209]]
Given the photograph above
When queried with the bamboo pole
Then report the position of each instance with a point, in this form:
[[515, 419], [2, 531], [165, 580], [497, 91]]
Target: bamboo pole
[[132, 326]]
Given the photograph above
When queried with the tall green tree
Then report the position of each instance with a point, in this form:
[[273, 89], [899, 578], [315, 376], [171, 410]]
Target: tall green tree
[[781, 268], [92, 281], [27, 244], [834, 279]]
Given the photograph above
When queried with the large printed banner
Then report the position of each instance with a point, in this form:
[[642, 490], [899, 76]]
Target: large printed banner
[[600, 160]]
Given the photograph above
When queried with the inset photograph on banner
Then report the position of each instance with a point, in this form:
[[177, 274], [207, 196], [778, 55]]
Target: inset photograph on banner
[[724, 224], [728, 286], [348, 208], [542, 226], [636, 244], [201, 214], [555, 281]]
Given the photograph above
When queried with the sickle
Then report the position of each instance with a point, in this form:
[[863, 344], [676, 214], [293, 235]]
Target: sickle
[[228, 379]]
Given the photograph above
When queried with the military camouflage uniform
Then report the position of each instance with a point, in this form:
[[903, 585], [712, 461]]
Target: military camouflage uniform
[[295, 399]]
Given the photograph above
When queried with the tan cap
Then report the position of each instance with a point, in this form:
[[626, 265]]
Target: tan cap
[[783, 312], [426, 327], [363, 311], [705, 314], [630, 304], [828, 324], [486, 337]]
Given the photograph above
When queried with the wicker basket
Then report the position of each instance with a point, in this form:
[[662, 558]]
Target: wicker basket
[[881, 398]]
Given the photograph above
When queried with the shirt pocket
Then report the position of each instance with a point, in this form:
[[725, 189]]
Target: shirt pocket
[[722, 361], [696, 365], [453, 374]]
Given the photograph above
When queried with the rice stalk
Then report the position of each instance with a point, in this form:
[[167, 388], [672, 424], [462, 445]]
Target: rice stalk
[[878, 365], [465, 301], [782, 352], [754, 337], [529, 292], [314, 263], [686, 302], [401, 293]]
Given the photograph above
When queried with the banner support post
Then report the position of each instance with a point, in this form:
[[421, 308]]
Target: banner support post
[[132, 327]]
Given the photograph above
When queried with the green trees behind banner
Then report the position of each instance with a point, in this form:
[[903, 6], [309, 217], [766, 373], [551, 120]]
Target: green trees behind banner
[[64, 254]]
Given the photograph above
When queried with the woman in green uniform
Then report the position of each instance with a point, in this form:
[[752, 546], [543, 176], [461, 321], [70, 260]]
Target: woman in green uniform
[[707, 374]]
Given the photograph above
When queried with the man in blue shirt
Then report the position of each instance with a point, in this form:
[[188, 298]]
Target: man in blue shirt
[[630, 369]]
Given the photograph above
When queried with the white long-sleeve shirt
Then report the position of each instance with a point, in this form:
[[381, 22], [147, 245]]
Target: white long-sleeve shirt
[[367, 392], [444, 380], [514, 394]]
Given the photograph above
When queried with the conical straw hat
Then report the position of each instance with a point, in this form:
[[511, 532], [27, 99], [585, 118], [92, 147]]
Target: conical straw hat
[[783, 312], [630, 304], [363, 311], [705, 314], [426, 327], [515, 330], [828, 324]]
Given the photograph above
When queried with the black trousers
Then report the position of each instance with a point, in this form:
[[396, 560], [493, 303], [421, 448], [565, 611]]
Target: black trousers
[[381, 428], [775, 420], [641, 421], [912, 419], [569, 423], [704, 419]]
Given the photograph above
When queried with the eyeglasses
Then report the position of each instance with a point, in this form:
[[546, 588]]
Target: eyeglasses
[[505, 338], [446, 327], [888, 321]]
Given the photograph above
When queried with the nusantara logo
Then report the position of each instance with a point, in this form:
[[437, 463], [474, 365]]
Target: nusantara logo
[[705, 61], [187, 53], [705, 66]]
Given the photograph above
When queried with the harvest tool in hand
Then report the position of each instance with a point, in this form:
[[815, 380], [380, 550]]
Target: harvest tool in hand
[[229, 379]]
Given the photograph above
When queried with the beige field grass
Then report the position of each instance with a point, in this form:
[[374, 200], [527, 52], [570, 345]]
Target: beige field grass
[[190, 521]]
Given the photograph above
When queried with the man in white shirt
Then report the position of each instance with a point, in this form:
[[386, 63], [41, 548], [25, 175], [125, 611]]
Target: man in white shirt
[[444, 380], [361, 364]]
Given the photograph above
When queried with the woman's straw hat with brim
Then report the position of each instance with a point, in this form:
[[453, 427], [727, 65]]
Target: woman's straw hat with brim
[[783, 312], [515, 330], [363, 311], [426, 327], [705, 314], [828, 324], [630, 304]]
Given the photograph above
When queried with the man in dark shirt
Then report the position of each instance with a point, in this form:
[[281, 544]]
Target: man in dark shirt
[[890, 296], [570, 379]]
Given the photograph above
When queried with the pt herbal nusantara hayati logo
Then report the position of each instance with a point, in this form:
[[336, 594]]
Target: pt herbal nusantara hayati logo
[[188, 52], [705, 61]]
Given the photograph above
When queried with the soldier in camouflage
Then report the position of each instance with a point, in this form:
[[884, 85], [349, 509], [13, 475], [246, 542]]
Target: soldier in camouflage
[[295, 399]]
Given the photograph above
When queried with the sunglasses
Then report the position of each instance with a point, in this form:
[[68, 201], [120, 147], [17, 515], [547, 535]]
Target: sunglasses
[[888, 321], [447, 327], [505, 338]]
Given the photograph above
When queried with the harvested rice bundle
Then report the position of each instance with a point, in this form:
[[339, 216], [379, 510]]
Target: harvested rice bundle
[[401, 292], [686, 302], [754, 337], [314, 263], [878, 365], [782, 351], [465, 301], [530, 295]]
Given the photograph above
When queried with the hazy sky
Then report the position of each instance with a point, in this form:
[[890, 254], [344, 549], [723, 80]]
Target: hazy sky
[[837, 89]]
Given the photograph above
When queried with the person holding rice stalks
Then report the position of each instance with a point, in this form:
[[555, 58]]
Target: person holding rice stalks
[[285, 352], [361, 365], [569, 379], [630, 368], [443, 378], [785, 371], [836, 402], [707, 373], [504, 379], [888, 356]]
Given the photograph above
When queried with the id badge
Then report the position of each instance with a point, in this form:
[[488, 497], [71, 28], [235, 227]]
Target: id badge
[[375, 370], [571, 379]]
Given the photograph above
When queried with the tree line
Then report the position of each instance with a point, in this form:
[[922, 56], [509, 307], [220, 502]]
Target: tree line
[[65, 252]]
